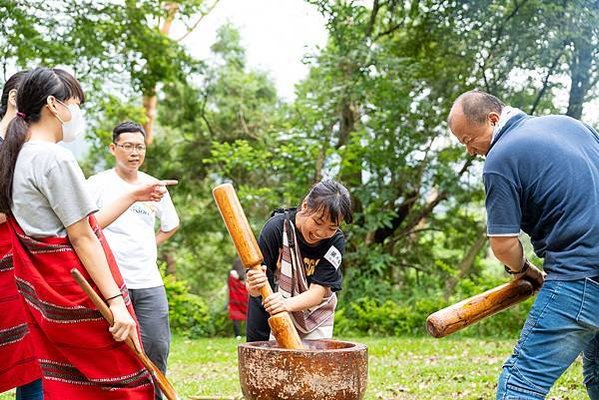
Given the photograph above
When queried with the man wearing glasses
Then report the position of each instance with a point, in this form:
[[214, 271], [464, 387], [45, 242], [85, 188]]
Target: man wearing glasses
[[129, 226]]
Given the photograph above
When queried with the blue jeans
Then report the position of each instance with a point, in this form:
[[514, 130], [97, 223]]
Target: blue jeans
[[31, 391], [562, 324]]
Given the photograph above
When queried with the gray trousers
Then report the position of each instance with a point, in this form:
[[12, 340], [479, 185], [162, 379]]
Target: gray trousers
[[151, 308]]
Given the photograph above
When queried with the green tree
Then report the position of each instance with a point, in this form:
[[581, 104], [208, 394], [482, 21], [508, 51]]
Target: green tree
[[372, 112], [218, 125]]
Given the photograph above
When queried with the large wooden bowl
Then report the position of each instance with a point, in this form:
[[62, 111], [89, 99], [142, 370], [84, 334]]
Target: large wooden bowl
[[325, 370]]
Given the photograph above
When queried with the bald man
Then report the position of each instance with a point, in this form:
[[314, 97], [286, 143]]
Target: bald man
[[541, 176]]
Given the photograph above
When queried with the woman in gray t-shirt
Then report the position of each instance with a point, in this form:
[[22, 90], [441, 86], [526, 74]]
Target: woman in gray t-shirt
[[16, 350], [43, 188]]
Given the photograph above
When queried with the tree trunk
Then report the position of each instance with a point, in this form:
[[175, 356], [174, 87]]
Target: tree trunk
[[466, 264], [150, 100], [320, 163], [350, 173], [550, 71], [580, 73], [383, 232], [171, 265], [347, 121], [150, 104], [405, 215]]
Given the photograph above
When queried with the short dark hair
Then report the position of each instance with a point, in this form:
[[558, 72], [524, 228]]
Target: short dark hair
[[332, 198], [126, 127], [11, 84], [476, 105]]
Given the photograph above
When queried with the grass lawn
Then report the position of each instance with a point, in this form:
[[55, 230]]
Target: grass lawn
[[399, 368]]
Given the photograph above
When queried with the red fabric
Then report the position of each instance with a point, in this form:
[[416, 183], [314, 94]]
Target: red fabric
[[238, 299], [78, 357], [19, 364]]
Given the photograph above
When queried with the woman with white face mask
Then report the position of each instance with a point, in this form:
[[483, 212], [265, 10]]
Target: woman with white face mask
[[16, 347], [52, 230]]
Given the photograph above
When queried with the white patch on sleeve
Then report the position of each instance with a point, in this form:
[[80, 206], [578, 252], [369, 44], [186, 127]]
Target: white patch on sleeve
[[334, 257]]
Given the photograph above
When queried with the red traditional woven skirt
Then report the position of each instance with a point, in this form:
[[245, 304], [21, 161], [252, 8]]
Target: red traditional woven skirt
[[18, 364], [78, 357], [238, 299]]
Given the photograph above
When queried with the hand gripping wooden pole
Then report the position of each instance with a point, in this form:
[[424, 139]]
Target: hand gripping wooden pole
[[467, 312], [243, 237], [165, 387]]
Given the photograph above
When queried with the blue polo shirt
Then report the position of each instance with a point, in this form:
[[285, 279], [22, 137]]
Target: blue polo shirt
[[541, 176]]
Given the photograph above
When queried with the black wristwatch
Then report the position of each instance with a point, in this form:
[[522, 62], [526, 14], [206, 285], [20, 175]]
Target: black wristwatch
[[525, 266]]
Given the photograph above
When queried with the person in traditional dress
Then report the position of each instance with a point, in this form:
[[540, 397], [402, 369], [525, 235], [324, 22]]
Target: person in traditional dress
[[20, 368], [238, 297], [52, 230]]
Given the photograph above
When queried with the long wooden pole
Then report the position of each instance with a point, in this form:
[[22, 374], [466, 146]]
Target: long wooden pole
[[165, 387], [243, 237], [467, 312]]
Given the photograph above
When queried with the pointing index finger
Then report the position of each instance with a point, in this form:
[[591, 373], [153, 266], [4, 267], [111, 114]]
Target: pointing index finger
[[167, 182]]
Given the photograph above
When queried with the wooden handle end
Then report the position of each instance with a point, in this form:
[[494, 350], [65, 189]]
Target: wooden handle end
[[467, 312]]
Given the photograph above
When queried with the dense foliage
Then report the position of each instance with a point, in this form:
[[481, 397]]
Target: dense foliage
[[371, 113]]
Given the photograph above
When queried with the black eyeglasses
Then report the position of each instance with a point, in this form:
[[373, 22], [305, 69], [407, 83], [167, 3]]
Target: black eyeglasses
[[128, 147]]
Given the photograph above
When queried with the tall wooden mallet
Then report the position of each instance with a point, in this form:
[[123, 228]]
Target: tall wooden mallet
[[467, 312], [243, 237], [163, 384]]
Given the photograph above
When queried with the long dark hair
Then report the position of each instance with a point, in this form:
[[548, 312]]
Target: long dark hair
[[34, 89], [11, 84], [332, 198]]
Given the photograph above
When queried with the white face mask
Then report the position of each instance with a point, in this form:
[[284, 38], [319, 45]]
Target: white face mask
[[73, 127]]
